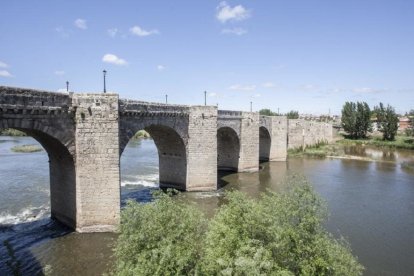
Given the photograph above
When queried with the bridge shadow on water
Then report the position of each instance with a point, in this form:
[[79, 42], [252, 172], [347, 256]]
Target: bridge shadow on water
[[18, 240]]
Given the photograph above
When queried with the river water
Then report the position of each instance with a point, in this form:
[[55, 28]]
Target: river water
[[371, 203]]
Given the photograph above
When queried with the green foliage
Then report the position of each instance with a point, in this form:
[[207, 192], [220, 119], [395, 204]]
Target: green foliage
[[141, 134], [27, 148], [387, 121], [292, 114], [11, 132], [159, 238], [400, 142], [267, 112], [278, 234], [356, 119]]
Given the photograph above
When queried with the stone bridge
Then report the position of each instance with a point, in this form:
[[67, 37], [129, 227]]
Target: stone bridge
[[84, 136]]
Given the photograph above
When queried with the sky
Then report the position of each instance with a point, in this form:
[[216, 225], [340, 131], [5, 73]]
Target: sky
[[309, 55]]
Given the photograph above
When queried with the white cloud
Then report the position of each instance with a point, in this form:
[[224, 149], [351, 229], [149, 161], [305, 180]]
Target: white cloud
[[256, 96], [309, 87], [112, 32], [161, 67], [138, 31], [59, 73], [5, 74], [235, 31], [3, 65], [242, 87], [80, 23], [62, 32], [268, 85], [227, 13], [212, 94], [113, 59]]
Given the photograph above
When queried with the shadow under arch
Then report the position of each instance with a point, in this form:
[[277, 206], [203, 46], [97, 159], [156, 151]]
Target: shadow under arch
[[61, 174], [171, 155], [265, 141], [228, 149]]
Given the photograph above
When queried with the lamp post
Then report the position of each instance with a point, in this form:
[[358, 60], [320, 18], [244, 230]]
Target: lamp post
[[205, 97], [251, 106], [166, 99], [67, 86], [104, 79]]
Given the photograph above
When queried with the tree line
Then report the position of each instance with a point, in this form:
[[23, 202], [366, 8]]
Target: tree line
[[293, 114], [357, 120]]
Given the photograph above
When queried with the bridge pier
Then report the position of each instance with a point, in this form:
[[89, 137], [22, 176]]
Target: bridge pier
[[276, 128], [202, 149], [97, 162], [249, 146]]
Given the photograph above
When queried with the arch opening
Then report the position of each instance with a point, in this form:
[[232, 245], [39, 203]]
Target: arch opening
[[264, 144], [62, 178], [170, 170], [228, 149]]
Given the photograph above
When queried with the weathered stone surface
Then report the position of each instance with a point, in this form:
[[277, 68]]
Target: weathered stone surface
[[85, 135]]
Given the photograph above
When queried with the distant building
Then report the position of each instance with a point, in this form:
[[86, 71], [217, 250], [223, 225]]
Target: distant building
[[403, 124]]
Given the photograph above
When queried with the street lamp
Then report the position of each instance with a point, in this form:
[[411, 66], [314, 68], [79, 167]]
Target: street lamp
[[104, 79], [166, 99], [251, 106], [67, 86], [205, 97]]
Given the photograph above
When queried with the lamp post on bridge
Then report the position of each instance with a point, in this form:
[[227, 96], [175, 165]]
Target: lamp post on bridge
[[251, 106], [205, 97], [67, 86], [166, 99], [104, 80]]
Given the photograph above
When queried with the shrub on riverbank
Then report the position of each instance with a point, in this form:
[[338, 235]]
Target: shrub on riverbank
[[11, 132], [278, 234], [320, 150], [26, 148], [141, 134], [400, 142]]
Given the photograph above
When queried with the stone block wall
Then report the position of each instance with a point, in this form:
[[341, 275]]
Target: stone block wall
[[278, 148], [202, 149], [97, 162], [249, 138], [302, 132]]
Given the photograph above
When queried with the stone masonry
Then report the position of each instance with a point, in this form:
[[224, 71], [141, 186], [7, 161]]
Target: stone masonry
[[84, 136]]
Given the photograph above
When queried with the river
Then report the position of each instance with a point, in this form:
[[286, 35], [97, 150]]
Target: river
[[371, 203]]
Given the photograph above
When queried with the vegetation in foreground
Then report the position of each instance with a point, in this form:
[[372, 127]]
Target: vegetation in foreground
[[11, 132], [26, 148], [278, 234]]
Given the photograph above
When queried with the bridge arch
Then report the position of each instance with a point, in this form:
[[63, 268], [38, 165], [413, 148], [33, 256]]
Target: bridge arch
[[171, 147], [62, 172], [265, 142], [228, 149]]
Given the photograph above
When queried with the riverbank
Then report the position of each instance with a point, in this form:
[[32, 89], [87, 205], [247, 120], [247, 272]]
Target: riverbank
[[26, 148], [12, 132], [400, 142], [336, 149]]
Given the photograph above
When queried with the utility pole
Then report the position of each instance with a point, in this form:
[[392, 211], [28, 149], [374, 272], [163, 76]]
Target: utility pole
[[67, 86], [166, 98], [205, 97], [104, 79]]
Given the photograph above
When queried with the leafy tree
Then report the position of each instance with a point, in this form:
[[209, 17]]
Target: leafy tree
[[387, 121], [356, 119], [410, 130], [267, 112], [292, 114], [279, 234], [160, 238]]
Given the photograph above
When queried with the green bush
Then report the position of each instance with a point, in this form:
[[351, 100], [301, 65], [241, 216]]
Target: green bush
[[159, 238], [278, 234]]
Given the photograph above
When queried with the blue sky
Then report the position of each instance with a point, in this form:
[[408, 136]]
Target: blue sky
[[310, 56]]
